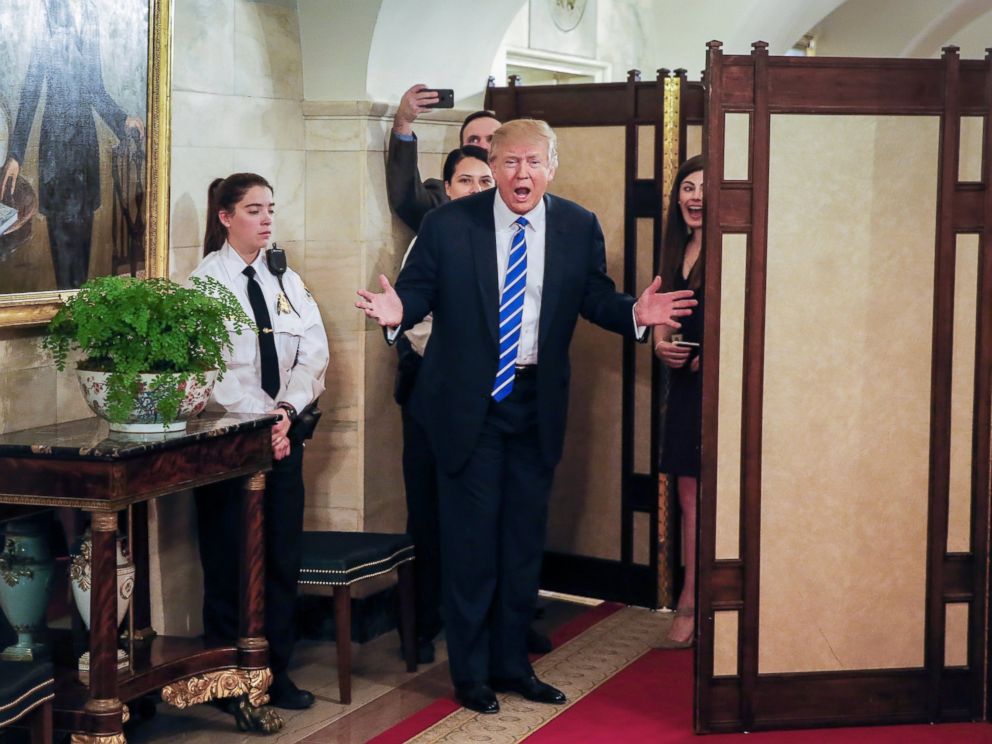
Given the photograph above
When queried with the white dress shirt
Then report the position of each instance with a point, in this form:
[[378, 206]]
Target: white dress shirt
[[301, 343]]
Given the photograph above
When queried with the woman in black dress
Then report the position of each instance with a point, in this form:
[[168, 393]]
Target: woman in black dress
[[681, 268]]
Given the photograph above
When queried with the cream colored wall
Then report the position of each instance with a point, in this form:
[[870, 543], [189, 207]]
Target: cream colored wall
[[846, 418], [897, 28]]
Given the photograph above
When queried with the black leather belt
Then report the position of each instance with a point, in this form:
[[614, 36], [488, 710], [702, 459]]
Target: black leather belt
[[525, 370]]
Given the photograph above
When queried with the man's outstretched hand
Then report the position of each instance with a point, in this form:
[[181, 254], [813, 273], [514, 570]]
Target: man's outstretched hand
[[655, 308], [384, 307]]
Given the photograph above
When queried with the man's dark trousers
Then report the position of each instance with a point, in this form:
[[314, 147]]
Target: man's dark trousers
[[494, 515]]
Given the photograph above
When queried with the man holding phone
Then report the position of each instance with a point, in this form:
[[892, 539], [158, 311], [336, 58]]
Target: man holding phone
[[409, 197]]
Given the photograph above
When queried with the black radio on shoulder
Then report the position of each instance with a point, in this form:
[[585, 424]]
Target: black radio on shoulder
[[275, 257]]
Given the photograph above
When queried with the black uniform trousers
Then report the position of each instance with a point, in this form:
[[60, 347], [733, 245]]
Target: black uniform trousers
[[218, 509], [494, 514]]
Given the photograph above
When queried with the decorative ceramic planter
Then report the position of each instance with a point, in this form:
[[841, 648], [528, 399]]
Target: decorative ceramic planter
[[144, 417], [81, 579], [26, 567]]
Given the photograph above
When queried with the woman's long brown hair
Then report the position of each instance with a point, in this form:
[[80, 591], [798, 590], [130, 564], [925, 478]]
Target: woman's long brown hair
[[677, 234]]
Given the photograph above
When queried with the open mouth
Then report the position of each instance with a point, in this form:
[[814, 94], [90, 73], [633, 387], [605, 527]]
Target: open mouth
[[522, 193]]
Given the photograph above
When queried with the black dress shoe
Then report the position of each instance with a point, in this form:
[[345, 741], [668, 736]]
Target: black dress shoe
[[284, 694], [531, 688], [478, 697], [537, 643]]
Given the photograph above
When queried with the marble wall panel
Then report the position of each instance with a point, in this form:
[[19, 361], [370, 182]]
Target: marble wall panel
[[204, 56], [26, 397], [69, 401], [268, 61], [385, 503], [332, 468], [334, 195], [239, 122], [338, 134], [845, 446], [316, 519], [193, 169], [21, 349], [344, 393], [333, 274]]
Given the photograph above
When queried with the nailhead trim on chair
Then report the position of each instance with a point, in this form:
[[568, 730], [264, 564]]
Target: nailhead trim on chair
[[347, 577], [37, 689]]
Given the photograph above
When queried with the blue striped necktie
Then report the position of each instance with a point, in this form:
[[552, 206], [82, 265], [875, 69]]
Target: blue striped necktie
[[511, 311]]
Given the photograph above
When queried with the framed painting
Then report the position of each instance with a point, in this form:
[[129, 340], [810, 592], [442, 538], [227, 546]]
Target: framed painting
[[84, 148]]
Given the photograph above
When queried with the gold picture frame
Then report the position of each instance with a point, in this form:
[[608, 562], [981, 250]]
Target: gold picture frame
[[36, 307]]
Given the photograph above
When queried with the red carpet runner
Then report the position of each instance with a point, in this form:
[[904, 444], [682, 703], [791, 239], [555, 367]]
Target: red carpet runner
[[651, 701]]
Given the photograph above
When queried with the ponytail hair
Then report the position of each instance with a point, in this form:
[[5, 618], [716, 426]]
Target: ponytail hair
[[222, 196]]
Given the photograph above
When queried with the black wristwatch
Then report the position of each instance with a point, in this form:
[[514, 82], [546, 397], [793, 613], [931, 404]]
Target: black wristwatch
[[288, 408]]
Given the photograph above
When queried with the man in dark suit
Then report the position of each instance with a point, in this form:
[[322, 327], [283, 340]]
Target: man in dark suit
[[506, 273], [65, 63], [409, 197]]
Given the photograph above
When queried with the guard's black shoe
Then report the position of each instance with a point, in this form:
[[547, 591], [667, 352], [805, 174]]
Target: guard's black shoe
[[284, 694], [478, 697], [537, 643], [531, 688]]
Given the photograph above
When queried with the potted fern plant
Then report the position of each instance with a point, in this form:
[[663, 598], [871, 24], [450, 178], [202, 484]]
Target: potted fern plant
[[151, 349]]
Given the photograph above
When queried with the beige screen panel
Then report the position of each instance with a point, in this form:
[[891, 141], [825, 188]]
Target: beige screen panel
[[584, 517], [733, 275], [962, 393], [846, 417]]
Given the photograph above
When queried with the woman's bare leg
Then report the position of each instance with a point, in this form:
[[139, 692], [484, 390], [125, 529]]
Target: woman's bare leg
[[684, 626]]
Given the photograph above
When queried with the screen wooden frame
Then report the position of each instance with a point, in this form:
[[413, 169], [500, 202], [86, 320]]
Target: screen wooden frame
[[761, 85]]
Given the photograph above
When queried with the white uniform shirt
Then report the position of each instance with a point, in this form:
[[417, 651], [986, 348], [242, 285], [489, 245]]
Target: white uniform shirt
[[301, 343]]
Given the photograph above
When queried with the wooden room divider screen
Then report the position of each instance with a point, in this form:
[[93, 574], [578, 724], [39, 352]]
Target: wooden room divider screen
[[620, 144], [843, 556]]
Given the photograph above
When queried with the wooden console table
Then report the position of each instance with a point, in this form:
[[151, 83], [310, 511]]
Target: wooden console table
[[81, 464]]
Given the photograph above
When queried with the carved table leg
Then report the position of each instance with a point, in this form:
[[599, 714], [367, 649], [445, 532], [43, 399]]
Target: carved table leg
[[253, 650], [103, 628]]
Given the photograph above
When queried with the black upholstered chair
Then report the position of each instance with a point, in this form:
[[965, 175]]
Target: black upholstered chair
[[340, 559], [26, 692]]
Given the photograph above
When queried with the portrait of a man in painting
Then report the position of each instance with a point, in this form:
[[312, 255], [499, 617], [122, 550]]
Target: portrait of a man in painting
[[72, 141]]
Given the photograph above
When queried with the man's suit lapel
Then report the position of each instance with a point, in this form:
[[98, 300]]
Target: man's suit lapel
[[483, 241], [554, 264]]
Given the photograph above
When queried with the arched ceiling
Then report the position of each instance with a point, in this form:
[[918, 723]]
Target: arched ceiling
[[375, 49]]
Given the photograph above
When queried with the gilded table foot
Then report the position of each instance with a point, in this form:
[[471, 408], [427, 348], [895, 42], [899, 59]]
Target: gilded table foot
[[226, 683], [250, 717], [97, 739]]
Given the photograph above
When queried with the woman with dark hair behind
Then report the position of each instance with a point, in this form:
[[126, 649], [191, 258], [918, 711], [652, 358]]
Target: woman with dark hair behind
[[682, 268], [279, 371], [466, 171]]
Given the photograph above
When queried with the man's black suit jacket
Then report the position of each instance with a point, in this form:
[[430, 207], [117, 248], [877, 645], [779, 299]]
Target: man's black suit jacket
[[452, 271]]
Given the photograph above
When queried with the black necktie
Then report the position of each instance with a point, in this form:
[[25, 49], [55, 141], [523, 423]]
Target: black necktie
[[266, 341]]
